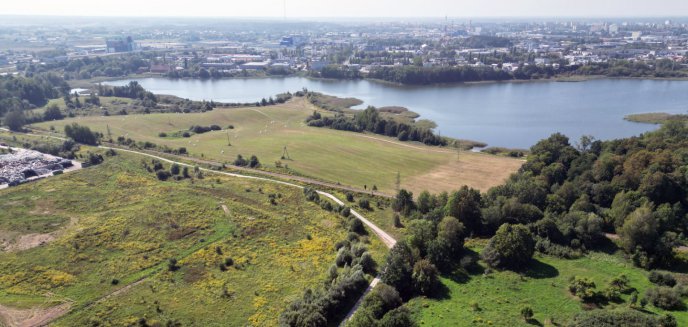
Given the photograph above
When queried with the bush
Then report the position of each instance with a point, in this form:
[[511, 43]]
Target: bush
[[52, 113], [94, 159], [512, 247], [664, 298], [15, 120], [174, 169], [662, 279], [364, 204], [526, 313], [253, 162], [344, 257], [349, 197], [240, 161], [367, 263], [624, 317], [163, 175], [162, 134], [172, 265], [584, 288], [81, 134], [356, 226]]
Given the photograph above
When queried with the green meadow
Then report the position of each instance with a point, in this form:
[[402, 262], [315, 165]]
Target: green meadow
[[353, 159], [113, 228]]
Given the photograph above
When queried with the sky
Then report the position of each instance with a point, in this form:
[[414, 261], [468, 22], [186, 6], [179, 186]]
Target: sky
[[350, 8]]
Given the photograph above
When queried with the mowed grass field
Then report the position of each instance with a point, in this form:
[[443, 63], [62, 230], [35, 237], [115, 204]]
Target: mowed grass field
[[115, 226], [352, 159], [496, 299]]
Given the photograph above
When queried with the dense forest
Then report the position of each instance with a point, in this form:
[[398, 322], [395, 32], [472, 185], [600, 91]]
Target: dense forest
[[566, 200], [20, 93]]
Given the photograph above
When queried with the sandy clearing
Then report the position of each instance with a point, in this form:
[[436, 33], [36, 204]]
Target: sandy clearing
[[13, 317], [29, 241]]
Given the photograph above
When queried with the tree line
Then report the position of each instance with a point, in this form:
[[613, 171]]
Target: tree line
[[370, 120]]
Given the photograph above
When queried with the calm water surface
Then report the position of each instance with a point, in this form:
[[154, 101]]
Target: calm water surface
[[500, 114]]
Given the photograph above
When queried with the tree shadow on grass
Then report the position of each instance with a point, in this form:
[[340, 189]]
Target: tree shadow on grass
[[534, 322], [607, 246], [441, 292], [540, 270]]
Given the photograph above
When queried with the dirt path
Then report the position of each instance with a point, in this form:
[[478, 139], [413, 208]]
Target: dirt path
[[158, 155], [387, 239], [33, 317]]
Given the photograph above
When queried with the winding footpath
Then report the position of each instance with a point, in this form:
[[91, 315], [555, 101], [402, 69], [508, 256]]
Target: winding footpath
[[387, 239]]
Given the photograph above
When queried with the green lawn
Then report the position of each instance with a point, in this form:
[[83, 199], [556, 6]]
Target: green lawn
[[116, 224], [500, 296], [349, 158]]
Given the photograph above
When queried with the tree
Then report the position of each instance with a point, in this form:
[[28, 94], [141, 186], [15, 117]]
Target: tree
[[425, 203], [15, 120], [399, 268], [512, 247], [403, 203], [421, 233], [464, 205], [424, 277], [52, 113]]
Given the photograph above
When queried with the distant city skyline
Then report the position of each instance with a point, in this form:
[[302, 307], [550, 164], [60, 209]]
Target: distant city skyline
[[351, 8]]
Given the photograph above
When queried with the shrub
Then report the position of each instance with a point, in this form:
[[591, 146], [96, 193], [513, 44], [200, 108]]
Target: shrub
[[81, 134], [526, 313], [172, 265], [356, 226], [349, 197], [174, 169], [664, 298], [163, 175], [253, 162], [512, 247], [344, 257], [662, 279], [622, 317], [364, 204], [162, 134], [367, 263], [52, 113], [584, 288], [240, 161], [94, 159]]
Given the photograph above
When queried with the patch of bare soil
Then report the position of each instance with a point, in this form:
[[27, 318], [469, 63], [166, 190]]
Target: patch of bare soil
[[13, 317], [478, 171], [29, 241]]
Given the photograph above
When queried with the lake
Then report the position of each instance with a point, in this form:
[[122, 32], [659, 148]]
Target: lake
[[500, 114]]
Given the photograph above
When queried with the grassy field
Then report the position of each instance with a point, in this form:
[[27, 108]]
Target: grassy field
[[349, 158], [655, 117], [496, 299], [116, 225]]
